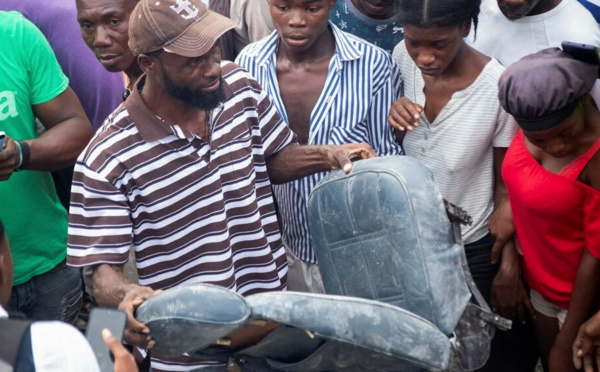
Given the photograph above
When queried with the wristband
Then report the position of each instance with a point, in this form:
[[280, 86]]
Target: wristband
[[20, 156], [24, 154]]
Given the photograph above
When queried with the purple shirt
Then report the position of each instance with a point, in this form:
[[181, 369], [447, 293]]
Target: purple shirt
[[99, 91]]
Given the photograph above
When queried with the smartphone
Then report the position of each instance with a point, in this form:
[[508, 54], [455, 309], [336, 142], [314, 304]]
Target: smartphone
[[2, 138], [99, 319], [583, 52]]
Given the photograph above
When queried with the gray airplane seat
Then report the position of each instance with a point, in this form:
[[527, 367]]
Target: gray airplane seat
[[384, 233], [399, 293]]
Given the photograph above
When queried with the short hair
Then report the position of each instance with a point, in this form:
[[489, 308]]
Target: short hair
[[438, 13]]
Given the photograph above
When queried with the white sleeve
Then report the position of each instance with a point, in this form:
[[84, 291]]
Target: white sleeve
[[60, 347]]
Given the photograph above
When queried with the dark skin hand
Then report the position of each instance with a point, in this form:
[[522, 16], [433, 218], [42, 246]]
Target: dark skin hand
[[295, 162], [580, 309], [112, 289], [404, 115], [68, 132], [509, 296], [586, 348], [124, 360], [247, 336]]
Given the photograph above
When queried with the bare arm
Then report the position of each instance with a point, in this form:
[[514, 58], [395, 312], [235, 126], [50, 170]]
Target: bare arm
[[586, 347], [68, 132], [295, 162], [581, 307], [509, 295], [112, 289], [585, 289], [501, 223]]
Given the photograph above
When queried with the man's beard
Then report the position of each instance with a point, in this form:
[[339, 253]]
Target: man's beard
[[195, 97]]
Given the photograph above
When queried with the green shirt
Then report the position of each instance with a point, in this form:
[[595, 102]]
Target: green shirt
[[35, 221]]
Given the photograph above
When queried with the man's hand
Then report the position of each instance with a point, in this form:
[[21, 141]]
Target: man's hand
[[137, 333], [341, 156], [248, 336], [586, 347], [124, 361], [404, 115], [502, 227], [509, 297], [9, 159]]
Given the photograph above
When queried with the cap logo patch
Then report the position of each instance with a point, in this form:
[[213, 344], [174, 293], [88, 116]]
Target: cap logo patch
[[184, 6]]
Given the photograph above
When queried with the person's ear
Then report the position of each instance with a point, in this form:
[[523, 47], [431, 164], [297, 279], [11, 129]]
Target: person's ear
[[465, 29], [146, 62]]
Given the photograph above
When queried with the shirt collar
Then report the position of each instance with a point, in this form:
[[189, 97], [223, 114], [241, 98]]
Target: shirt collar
[[150, 126], [3, 313], [345, 49]]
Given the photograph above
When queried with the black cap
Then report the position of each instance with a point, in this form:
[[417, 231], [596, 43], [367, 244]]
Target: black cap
[[542, 89]]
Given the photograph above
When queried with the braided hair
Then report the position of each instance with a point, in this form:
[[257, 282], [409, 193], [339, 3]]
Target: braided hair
[[438, 13]]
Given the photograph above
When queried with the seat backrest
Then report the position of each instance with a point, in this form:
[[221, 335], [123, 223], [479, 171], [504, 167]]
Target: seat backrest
[[381, 232]]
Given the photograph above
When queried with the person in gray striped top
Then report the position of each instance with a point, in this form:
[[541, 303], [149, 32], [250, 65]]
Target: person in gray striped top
[[183, 171], [458, 129], [330, 87]]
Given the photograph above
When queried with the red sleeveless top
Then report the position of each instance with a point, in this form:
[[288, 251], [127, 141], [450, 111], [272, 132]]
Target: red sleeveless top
[[556, 218]]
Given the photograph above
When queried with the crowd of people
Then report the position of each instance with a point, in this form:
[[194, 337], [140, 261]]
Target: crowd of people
[[151, 144]]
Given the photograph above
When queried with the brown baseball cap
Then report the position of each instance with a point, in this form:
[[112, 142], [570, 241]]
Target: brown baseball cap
[[184, 27]]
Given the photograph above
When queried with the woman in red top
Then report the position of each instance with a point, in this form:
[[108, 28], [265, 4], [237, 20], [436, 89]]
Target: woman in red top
[[552, 173]]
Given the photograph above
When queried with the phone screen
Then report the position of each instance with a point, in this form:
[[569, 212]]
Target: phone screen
[[99, 319], [2, 138]]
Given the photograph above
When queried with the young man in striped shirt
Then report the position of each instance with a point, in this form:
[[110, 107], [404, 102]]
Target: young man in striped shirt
[[330, 87], [183, 171]]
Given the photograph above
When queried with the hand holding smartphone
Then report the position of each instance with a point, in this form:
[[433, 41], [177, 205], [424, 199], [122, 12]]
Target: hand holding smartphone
[[101, 318]]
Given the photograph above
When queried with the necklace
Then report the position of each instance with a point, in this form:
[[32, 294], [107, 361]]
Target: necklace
[[207, 126]]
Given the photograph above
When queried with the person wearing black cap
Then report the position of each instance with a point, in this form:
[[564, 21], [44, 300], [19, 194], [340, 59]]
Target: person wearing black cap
[[552, 172]]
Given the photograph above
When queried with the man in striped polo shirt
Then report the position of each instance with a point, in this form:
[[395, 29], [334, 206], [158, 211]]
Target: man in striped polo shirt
[[183, 171], [331, 87]]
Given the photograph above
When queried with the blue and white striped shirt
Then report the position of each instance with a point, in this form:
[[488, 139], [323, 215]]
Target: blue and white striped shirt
[[362, 83]]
